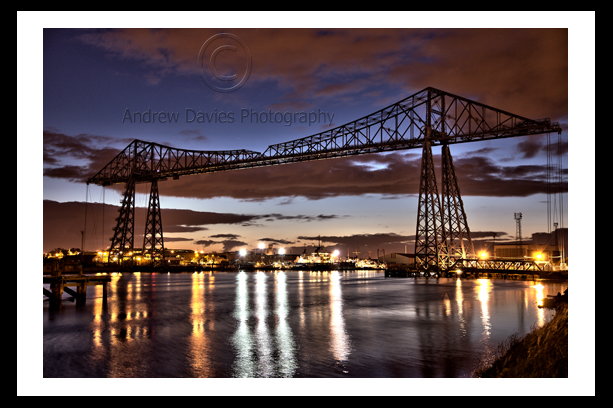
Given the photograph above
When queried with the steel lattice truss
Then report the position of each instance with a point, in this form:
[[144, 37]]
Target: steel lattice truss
[[459, 243], [431, 114], [122, 242], [471, 265], [153, 240], [425, 119], [430, 238]]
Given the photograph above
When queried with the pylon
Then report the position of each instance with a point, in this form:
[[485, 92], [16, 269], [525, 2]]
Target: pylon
[[430, 248], [459, 243], [153, 241], [122, 243]]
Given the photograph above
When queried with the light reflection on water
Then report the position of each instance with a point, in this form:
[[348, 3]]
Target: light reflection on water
[[339, 343], [288, 324], [483, 292]]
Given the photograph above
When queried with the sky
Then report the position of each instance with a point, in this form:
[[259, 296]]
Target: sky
[[104, 87]]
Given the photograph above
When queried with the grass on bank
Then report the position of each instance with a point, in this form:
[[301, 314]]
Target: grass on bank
[[542, 353]]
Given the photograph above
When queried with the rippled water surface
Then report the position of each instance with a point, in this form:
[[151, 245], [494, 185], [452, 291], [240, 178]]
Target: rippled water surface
[[355, 324]]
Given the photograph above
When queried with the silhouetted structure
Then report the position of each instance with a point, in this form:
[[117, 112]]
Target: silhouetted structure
[[428, 118]]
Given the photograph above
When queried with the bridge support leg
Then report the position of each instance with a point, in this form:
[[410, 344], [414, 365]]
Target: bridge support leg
[[459, 243], [122, 242], [82, 292], [153, 241], [56, 289], [430, 248]]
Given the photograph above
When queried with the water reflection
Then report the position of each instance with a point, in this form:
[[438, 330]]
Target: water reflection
[[264, 345], [483, 294], [284, 337], [539, 301], [244, 366], [460, 303], [199, 353], [125, 327], [287, 324], [339, 343]]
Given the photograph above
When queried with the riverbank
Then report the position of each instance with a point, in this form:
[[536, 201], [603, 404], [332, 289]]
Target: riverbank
[[542, 353]]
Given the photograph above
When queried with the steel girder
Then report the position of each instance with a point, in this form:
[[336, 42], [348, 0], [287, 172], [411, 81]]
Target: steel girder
[[448, 118], [496, 265]]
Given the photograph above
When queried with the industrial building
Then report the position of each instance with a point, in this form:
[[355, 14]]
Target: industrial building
[[546, 248]]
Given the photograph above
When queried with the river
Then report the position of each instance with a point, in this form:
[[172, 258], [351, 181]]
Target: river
[[338, 324]]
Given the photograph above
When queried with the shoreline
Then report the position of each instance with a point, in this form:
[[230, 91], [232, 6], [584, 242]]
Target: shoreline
[[541, 353]]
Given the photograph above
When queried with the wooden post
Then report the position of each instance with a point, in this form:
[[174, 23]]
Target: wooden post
[[57, 287], [82, 292], [104, 291]]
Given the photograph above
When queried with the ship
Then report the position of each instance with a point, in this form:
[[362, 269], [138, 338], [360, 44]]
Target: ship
[[317, 260]]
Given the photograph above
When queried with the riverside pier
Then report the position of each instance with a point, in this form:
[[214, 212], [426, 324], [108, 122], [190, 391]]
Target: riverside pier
[[62, 277]]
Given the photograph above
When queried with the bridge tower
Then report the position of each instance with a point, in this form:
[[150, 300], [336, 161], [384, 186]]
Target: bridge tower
[[122, 243], [153, 240], [430, 246], [459, 243], [442, 235]]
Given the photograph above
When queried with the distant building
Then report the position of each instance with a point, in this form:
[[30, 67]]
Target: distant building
[[547, 247], [398, 258]]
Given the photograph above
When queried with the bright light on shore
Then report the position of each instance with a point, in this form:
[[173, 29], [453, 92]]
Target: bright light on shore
[[243, 252]]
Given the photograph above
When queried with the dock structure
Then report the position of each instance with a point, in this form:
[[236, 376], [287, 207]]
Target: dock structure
[[60, 283], [479, 268]]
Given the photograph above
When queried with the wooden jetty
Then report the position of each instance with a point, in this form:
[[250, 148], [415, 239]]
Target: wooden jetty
[[60, 282]]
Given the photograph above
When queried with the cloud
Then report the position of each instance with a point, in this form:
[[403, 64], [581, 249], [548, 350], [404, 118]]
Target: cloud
[[175, 239], [230, 244], [313, 180], [361, 239], [206, 242], [91, 152], [362, 245], [524, 71], [184, 228], [389, 175], [276, 241], [63, 223], [231, 236], [304, 218]]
